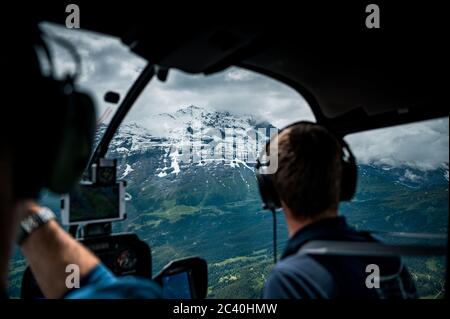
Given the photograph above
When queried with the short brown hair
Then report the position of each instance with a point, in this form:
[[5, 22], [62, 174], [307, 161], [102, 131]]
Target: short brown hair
[[309, 169]]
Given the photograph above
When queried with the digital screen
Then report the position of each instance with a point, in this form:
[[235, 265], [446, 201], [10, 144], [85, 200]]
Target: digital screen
[[89, 202], [176, 286]]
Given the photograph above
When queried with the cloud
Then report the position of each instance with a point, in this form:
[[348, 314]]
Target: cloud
[[254, 94], [239, 75], [411, 176], [423, 145], [109, 65]]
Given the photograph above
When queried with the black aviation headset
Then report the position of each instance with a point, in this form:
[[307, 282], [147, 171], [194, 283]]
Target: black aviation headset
[[269, 194], [55, 129]]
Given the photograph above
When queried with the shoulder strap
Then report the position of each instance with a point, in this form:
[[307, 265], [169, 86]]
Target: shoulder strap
[[373, 248]]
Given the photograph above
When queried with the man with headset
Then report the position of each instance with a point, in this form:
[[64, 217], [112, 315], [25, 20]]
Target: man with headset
[[315, 170], [46, 135]]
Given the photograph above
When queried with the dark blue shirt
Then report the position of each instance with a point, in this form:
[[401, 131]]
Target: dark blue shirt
[[299, 275]]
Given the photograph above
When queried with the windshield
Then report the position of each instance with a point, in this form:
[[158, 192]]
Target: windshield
[[187, 201], [187, 150]]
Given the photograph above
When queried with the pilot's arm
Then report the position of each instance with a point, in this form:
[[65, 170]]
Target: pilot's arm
[[49, 249]]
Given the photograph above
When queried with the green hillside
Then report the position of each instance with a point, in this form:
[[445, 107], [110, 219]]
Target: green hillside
[[216, 214]]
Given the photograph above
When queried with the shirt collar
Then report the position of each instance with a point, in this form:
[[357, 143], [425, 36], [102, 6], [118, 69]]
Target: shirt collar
[[328, 228]]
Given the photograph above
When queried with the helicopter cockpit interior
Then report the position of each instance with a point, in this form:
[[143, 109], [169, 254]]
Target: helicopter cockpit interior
[[147, 199]]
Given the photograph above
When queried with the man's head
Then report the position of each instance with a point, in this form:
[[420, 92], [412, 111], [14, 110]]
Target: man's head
[[309, 171]]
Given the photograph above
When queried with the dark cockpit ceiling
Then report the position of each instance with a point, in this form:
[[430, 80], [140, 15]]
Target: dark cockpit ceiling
[[354, 78]]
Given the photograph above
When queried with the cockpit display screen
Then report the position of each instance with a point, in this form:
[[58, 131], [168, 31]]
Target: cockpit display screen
[[177, 286], [94, 203]]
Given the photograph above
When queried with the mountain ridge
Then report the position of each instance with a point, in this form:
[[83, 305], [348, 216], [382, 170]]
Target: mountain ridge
[[198, 130]]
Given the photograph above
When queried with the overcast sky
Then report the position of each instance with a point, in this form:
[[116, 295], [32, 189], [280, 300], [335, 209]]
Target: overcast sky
[[108, 65]]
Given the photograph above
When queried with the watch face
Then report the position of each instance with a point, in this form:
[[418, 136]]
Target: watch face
[[45, 214]]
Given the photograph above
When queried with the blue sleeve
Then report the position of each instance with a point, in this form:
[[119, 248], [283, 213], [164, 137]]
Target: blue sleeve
[[100, 283]]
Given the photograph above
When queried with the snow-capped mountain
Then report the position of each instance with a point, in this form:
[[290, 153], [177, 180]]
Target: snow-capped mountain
[[191, 136], [195, 137]]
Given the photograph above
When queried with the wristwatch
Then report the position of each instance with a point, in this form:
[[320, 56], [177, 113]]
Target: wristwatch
[[32, 222]]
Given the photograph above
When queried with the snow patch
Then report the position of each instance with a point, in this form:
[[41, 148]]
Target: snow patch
[[243, 163], [174, 164], [411, 176], [162, 174], [122, 150], [128, 170]]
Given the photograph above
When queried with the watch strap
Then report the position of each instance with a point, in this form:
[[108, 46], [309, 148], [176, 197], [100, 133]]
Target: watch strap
[[32, 222]]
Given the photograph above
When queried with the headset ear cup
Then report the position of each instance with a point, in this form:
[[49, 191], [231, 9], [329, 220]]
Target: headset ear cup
[[76, 145], [349, 180], [269, 194]]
